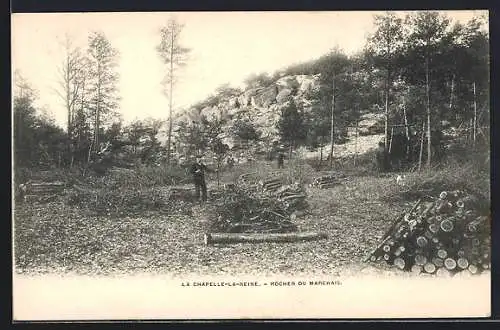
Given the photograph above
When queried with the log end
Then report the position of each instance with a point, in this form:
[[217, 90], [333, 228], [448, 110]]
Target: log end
[[207, 238]]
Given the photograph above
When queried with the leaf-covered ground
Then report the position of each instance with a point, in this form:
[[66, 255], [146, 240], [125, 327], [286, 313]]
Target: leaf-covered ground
[[55, 238]]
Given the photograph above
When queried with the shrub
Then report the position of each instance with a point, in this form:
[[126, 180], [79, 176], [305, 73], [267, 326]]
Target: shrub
[[125, 201], [466, 177]]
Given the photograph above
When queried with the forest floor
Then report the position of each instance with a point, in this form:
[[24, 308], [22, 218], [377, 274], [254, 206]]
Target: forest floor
[[60, 239]]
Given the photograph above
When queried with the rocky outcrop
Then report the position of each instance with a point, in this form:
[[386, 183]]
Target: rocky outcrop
[[263, 105], [371, 123]]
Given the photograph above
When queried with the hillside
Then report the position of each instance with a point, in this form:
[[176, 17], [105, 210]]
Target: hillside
[[262, 106]]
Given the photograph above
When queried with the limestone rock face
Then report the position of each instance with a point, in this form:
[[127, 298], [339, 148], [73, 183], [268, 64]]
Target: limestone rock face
[[265, 97], [262, 105]]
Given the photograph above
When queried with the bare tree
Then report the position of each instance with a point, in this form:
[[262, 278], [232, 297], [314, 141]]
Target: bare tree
[[70, 84], [174, 56], [103, 83]]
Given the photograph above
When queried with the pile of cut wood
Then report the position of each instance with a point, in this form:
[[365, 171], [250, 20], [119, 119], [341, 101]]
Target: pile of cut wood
[[239, 210], [40, 192], [327, 181], [293, 196], [442, 236], [269, 206]]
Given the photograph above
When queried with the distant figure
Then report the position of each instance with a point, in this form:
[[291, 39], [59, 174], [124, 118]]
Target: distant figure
[[198, 170], [230, 161], [381, 157], [281, 159]]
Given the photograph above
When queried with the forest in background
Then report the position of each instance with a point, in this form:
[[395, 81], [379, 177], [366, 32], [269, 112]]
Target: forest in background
[[422, 70]]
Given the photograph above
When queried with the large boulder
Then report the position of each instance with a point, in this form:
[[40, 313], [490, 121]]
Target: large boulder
[[307, 83], [265, 97], [284, 95], [371, 123]]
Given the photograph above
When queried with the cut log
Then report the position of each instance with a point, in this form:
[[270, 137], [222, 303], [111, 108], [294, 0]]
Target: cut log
[[294, 197], [400, 263], [420, 260], [422, 241], [462, 263], [429, 268], [473, 269], [416, 269], [229, 238], [272, 187], [441, 253], [327, 185], [41, 188], [450, 263]]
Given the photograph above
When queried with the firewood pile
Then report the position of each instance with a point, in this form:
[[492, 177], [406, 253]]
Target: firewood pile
[[441, 236], [327, 181], [293, 197], [266, 207], [271, 184], [40, 191]]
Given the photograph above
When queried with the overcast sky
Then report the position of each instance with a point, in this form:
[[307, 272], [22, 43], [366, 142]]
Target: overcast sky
[[226, 48]]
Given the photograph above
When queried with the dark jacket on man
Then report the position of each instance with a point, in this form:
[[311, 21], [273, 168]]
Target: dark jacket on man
[[198, 170], [281, 158]]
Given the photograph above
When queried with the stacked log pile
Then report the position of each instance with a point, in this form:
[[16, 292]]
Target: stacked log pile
[[443, 236], [271, 184], [327, 181], [40, 191], [293, 197]]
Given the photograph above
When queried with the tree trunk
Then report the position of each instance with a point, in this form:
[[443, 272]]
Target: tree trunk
[[356, 143], [474, 127], [321, 151], [390, 142], [452, 88], [428, 105], [218, 173], [82, 115], [67, 79], [470, 131], [407, 130], [332, 131], [386, 101], [228, 238], [169, 138], [421, 146]]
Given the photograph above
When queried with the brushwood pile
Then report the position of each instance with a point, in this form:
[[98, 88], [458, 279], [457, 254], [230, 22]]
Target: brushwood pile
[[443, 235], [267, 206]]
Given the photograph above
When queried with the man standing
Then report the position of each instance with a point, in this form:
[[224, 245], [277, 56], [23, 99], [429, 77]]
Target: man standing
[[198, 171], [281, 158]]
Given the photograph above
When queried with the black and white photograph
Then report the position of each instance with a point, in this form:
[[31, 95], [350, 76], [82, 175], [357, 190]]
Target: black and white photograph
[[251, 165]]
